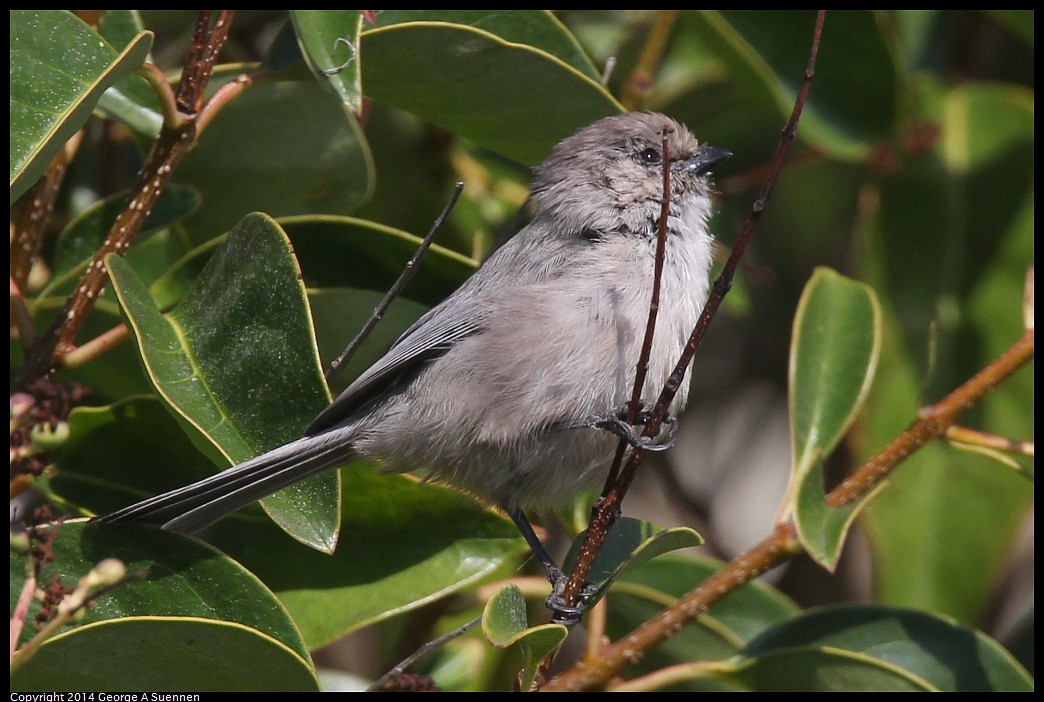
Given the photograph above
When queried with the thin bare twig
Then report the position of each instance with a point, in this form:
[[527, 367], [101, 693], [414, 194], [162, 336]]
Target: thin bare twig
[[38, 204], [430, 646], [96, 347], [642, 367], [396, 289]]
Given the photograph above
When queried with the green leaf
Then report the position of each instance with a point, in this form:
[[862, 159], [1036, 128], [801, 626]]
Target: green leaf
[[285, 148], [132, 100], [403, 544], [947, 250], [329, 40], [504, 623], [356, 253], [110, 459], [166, 653], [473, 82], [169, 573], [536, 28], [833, 357], [236, 363], [856, 648], [808, 670], [59, 69], [646, 589], [774, 55], [935, 649]]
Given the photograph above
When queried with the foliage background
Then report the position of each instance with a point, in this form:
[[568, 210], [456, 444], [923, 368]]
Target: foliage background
[[913, 172]]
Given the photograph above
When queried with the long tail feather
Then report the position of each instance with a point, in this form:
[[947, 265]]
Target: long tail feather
[[194, 507]]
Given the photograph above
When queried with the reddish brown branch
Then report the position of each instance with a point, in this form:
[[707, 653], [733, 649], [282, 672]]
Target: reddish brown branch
[[199, 65], [933, 423], [37, 206]]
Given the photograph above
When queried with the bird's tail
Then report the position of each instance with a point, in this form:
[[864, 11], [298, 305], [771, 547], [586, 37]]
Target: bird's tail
[[194, 507]]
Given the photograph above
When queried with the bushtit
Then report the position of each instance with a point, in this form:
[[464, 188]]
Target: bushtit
[[490, 389]]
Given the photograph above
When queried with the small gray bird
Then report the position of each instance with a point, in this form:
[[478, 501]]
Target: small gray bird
[[492, 390]]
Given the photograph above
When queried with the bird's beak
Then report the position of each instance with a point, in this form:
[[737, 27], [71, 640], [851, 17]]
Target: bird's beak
[[705, 159]]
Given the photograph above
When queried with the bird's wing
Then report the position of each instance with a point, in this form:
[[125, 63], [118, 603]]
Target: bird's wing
[[430, 337]]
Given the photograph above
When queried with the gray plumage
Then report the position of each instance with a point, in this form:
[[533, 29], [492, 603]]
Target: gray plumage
[[546, 334]]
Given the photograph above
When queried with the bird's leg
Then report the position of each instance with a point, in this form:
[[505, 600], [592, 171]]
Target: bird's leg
[[563, 613]]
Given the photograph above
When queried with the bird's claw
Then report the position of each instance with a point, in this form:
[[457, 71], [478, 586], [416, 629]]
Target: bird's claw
[[616, 423], [565, 613]]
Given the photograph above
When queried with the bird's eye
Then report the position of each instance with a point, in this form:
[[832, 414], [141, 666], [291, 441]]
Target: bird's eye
[[650, 156]]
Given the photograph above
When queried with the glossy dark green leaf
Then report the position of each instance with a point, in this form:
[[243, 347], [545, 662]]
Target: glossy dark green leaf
[[937, 650], [834, 352], [285, 148], [329, 41], [536, 28], [236, 363], [403, 544], [110, 459], [645, 590], [853, 56], [344, 252], [59, 69], [473, 82], [166, 653], [170, 574], [355, 253], [348, 265], [801, 670]]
